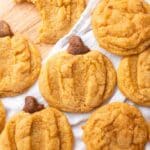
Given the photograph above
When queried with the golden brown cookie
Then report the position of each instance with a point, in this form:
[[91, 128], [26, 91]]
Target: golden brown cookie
[[2, 116], [122, 26], [20, 63], [77, 80], [116, 126], [58, 17], [134, 78], [47, 129]]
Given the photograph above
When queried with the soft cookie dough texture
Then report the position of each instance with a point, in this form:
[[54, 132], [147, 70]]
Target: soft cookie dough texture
[[134, 78], [77, 83], [44, 130], [122, 26], [20, 64], [116, 126], [58, 16]]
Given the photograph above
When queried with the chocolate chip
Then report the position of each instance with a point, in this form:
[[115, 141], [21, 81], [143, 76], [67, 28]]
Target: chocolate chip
[[31, 105], [5, 29], [76, 46]]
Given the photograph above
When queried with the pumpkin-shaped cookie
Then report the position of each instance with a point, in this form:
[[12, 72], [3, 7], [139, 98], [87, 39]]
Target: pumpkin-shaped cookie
[[116, 126], [134, 78], [47, 129], [122, 26], [20, 62], [77, 80], [58, 17]]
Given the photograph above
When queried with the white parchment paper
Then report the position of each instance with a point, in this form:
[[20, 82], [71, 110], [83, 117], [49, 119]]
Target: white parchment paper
[[83, 29]]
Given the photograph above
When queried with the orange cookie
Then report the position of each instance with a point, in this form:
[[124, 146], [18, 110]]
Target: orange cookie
[[77, 80], [116, 126], [31, 130], [20, 62], [134, 78], [58, 17], [122, 26]]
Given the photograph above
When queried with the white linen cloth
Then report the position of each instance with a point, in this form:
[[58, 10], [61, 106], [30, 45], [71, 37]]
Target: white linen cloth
[[83, 29]]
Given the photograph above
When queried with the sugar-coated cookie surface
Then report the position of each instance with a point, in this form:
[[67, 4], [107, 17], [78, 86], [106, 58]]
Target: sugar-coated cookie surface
[[20, 65], [2, 116], [58, 17], [134, 78], [44, 130], [122, 26], [20, 62], [77, 82], [116, 126]]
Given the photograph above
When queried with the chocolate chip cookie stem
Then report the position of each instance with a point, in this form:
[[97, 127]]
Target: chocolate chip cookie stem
[[76, 46], [5, 29], [31, 105]]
